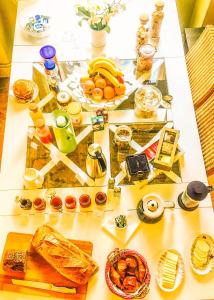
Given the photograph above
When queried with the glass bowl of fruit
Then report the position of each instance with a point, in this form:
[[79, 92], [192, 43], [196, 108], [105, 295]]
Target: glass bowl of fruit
[[101, 82]]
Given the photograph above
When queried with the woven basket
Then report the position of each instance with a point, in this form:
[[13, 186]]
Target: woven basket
[[113, 257]]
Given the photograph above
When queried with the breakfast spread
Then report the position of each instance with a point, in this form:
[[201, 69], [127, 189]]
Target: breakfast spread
[[69, 260], [104, 80]]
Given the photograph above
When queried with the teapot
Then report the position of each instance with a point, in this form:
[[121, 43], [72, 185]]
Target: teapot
[[95, 161], [150, 209]]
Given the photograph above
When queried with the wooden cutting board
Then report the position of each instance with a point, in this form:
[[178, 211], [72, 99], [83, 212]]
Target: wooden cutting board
[[39, 270]]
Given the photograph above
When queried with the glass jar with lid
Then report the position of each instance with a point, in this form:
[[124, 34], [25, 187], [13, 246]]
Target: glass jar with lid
[[147, 101], [75, 112], [145, 58], [63, 99]]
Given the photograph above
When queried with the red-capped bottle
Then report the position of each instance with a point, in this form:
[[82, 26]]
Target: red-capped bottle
[[43, 132]]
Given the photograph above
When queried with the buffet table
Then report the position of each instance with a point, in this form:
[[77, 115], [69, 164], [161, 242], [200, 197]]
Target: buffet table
[[178, 228]]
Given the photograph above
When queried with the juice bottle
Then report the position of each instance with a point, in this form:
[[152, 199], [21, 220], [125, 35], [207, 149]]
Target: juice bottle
[[35, 113], [43, 132]]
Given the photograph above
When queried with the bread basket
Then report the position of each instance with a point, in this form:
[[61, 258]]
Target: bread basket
[[113, 258]]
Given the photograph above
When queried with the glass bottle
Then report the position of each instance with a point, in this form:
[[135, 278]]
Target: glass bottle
[[51, 70], [35, 113], [157, 17], [43, 132], [75, 112], [145, 58], [48, 52], [142, 32]]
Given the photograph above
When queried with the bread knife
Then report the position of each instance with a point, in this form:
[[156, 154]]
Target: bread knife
[[44, 286]]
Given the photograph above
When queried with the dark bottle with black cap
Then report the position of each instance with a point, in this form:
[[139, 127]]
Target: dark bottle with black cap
[[195, 192]]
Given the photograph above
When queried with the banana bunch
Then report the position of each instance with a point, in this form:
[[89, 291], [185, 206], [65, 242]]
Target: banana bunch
[[107, 68]]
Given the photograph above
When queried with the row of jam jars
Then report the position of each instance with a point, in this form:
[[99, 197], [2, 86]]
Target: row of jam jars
[[56, 202]]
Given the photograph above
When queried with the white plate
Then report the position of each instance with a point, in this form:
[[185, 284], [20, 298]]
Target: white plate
[[210, 264], [180, 271]]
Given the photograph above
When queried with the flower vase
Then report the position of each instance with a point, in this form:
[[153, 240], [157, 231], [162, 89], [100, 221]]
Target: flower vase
[[98, 38]]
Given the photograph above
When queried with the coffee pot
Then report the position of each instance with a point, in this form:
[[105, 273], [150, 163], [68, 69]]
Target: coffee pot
[[95, 161], [195, 192], [150, 209]]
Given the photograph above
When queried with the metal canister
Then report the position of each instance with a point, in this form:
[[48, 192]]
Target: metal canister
[[195, 192]]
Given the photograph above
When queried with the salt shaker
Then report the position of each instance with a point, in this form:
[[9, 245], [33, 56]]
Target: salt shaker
[[142, 32], [157, 17]]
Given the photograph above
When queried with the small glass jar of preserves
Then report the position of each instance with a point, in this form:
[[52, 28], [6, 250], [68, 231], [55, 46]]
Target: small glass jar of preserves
[[75, 112], [145, 58]]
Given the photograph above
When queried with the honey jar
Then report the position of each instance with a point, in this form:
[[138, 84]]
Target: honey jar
[[75, 112], [145, 58]]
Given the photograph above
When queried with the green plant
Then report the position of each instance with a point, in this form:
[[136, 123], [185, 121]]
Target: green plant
[[98, 15]]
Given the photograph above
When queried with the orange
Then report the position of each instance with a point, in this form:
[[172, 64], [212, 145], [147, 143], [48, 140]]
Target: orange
[[100, 83], [120, 90], [97, 94], [88, 86], [97, 77], [109, 92]]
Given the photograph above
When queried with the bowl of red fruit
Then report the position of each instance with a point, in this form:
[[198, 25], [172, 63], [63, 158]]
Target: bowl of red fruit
[[127, 274]]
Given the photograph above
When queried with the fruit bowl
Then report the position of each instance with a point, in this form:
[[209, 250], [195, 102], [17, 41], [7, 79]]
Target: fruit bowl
[[127, 274], [101, 83]]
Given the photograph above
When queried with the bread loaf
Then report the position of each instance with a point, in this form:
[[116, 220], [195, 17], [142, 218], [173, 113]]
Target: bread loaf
[[69, 260]]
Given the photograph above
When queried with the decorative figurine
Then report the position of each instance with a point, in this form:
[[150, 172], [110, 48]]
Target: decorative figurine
[[195, 192], [142, 32], [157, 17]]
